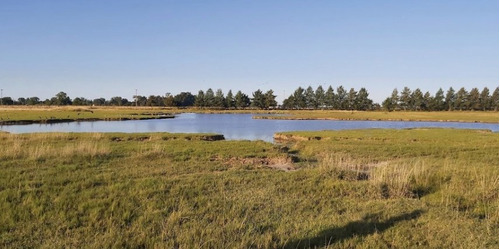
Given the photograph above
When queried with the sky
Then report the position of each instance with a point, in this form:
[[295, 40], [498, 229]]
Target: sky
[[98, 49]]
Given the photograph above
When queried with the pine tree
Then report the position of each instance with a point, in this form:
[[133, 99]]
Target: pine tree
[[494, 100], [209, 98], [320, 97], [417, 100], [310, 97], [330, 98], [405, 98], [241, 100], [230, 99], [484, 99], [387, 104], [474, 99], [219, 100], [437, 103], [461, 101], [352, 97], [270, 99], [341, 102], [449, 100], [427, 101], [258, 99], [288, 103], [394, 100], [362, 100], [199, 100], [299, 98]]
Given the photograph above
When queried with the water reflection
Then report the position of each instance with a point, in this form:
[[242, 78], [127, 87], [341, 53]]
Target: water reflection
[[232, 126]]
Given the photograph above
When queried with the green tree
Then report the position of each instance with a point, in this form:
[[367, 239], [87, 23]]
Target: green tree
[[405, 98], [449, 100], [157, 100], [394, 101], [330, 98], [99, 102], [461, 101], [270, 99], [310, 97], [209, 98], [288, 103], [184, 99], [417, 100], [437, 103], [7, 101], [341, 102], [21, 101], [474, 99], [230, 99], [388, 105], [142, 100], [219, 100], [494, 100], [258, 100], [61, 99], [199, 100], [427, 101], [299, 98], [362, 100], [241, 100], [33, 101], [484, 99], [115, 101], [352, 98], [320, 97], [168, 100]]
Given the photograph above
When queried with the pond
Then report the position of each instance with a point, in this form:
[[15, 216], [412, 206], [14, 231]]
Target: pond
[[232, 126]]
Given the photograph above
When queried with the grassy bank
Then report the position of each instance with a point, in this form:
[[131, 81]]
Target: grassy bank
[[456, 116], [368, 188], [69, 113], [27, 115]]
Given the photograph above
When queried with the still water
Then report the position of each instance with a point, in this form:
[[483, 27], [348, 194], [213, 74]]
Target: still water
[[232, 126]]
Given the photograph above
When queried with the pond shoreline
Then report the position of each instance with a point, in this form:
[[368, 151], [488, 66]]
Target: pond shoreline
[[69, 120], [232, 126], [368, 119]]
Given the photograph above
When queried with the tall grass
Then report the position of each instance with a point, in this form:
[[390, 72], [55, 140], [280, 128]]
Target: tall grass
[[368, 189], [34, 147]]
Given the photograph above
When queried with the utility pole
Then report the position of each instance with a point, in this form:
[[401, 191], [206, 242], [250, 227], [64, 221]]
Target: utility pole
[[135, 97], [1, 96]]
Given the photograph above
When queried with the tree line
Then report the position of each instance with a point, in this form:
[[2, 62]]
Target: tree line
[[301, 98], [329, 99], [461, 100], [208, 98]]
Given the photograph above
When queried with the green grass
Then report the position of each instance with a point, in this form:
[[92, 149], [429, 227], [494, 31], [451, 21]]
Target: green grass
[[69, 113], [458, 116], [434, 188]]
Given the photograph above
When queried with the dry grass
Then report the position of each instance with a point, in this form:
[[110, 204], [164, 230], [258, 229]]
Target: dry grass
[[35, 146], [116, 112], [435, 188]]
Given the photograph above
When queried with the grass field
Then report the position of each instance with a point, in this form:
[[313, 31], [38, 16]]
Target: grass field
[[23, 114], [458, 116], [44, 113], [435, 188]]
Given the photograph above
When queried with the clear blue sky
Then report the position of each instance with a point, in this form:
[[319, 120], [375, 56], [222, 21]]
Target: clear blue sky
[[109, 48]]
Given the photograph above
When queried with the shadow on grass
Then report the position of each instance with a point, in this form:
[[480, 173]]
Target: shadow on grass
[[368, 225]]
